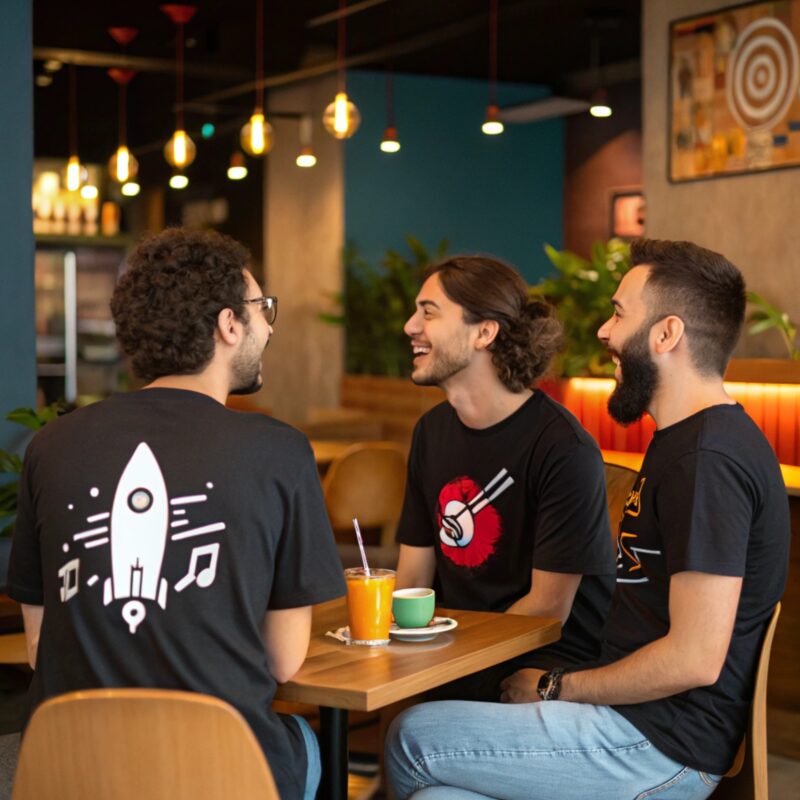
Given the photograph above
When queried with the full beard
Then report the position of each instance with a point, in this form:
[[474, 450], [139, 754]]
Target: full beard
[[633, 395]]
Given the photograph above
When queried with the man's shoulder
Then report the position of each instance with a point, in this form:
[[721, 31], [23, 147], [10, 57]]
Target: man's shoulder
[[559, 423]]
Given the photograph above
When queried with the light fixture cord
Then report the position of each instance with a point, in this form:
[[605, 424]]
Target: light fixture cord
[[179, 77], [389, 99], [260, 56], [73, 112], [341, 53], [493, 52], [123, 138]]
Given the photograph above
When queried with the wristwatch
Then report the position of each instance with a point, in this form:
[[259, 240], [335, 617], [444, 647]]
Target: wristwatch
[[549, 686]]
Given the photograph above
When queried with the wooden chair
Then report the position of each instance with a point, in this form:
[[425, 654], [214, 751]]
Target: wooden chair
[[619, 482], [747, 779], [367, 481], [130, 744]]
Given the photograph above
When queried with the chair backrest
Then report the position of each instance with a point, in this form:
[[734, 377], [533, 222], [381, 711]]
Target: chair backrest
[[129, 744], [619, 482], [366, 481], [747, 779]]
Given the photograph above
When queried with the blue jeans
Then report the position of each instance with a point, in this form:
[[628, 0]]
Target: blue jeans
[[455, 750], [314, 769]]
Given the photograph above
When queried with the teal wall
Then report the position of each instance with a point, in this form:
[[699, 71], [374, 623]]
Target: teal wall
[[491, 194], [17, 338]]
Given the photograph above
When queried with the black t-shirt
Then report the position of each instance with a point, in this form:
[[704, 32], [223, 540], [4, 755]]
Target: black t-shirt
[[528, 492], [157, 528], [709, 498]]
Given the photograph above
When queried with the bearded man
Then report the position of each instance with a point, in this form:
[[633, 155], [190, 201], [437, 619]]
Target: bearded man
[[164, 540], [702, 561]]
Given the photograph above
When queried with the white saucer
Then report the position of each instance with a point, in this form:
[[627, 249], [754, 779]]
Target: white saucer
[[441, 625]]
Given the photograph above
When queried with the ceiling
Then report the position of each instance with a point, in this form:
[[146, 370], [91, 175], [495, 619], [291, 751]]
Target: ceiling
[[539, 41]]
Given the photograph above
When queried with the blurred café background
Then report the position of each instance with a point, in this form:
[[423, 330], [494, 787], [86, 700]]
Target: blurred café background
[[347, 143]]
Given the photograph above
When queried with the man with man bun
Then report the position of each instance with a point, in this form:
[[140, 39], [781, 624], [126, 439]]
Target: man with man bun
[[505, 505]]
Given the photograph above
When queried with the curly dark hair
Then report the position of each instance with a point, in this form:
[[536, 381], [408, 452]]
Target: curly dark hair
[[701, 287], [166, 303], [529, 335]]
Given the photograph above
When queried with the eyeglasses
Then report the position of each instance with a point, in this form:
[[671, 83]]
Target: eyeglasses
[[269, 305]]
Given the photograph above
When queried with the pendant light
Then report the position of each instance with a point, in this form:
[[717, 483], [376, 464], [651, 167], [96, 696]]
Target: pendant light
[[341, 118], [122, 166], [76, 172], [237, 168], [390, 142], [257, 137], [492, 125], [305, 158], [180, 150], [598, 104]]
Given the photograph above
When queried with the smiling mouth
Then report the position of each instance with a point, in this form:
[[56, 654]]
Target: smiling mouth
[[419, 351]]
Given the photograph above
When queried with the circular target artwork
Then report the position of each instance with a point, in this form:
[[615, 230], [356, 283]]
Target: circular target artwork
[[763, 74]]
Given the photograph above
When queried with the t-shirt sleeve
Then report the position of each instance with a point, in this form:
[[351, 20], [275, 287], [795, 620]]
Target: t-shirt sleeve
[[307, 566], [572, 530], [705, 507], [25, 566], [416, 521]]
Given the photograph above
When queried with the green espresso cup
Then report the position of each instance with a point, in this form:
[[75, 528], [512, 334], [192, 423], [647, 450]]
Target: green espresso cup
[[413, 608]]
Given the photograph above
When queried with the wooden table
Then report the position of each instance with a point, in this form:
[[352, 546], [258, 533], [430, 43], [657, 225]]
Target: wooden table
[[338, 677]]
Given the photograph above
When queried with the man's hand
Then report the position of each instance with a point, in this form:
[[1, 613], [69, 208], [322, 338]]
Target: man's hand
[[521, 687]]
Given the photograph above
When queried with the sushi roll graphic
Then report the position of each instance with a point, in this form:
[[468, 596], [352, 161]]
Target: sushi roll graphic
[[139, 528]]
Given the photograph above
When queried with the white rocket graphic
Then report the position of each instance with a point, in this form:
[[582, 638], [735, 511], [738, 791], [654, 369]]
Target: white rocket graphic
[[139, 528]]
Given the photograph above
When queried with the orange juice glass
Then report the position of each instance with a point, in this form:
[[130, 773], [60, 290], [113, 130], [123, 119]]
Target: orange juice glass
[[369, 604]]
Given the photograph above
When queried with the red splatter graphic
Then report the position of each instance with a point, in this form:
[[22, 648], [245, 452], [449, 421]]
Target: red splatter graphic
[[486, 524]]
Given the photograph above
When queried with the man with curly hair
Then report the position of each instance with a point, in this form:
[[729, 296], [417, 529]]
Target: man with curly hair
[[702, 560], [505, 505], [164, 540]]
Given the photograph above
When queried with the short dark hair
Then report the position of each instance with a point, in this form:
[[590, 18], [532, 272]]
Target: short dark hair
[[165, 305], [529, 335], [701, 287]]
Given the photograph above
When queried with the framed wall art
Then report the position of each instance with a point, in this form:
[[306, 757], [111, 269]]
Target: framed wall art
[[734, 77]]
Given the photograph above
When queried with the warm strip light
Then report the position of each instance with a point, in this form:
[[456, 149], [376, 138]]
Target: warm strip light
[[179, 148], [123, 163], [257, 143]]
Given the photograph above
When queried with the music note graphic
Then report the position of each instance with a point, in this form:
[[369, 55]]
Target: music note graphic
[[206, 575]]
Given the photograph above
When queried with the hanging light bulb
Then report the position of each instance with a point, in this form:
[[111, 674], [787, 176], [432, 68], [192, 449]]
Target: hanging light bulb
[[341, 118], [306, 158], [178, 181], [74, 174], [123, 166], [599, 104], [257, 137], [492, 124], [389, 143], [180, 150], [89, 192], [130, 189], [237, 169]]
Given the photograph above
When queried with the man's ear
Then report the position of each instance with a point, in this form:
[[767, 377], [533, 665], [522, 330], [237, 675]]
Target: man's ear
[[487, 333], [227, 329], [666, 334]]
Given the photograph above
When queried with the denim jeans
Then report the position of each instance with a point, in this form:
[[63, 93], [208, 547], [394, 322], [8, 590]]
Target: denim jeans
[[455, 750], [314, 769]]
